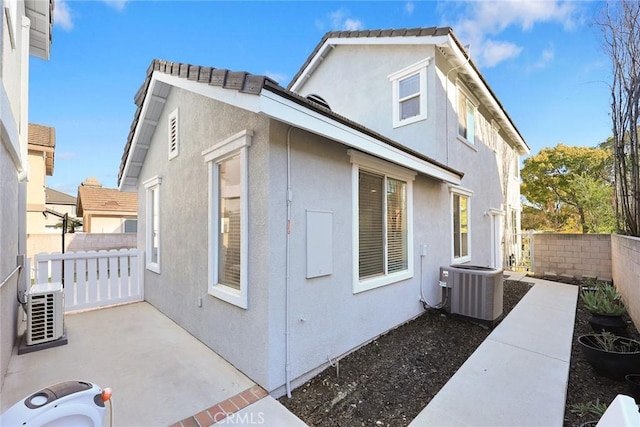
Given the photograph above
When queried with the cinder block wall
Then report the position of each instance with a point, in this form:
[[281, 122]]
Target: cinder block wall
[[575, 254], [626, 272]]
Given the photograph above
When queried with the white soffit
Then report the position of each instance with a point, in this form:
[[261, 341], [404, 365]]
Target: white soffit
[[39, 13]]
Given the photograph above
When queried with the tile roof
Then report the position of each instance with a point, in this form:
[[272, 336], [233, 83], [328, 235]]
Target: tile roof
[[55, 197], [251, 84], [92, 198], [403, 32], [45, 137]]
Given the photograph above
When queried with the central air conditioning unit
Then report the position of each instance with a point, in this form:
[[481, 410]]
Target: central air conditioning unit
[[45, 309], [473, 292]]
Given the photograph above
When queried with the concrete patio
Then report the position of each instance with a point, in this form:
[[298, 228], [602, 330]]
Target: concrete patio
[[159, 373]]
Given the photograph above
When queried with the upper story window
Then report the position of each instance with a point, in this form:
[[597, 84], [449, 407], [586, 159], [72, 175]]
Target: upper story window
[[409, 87], [383, 217], [152, 187], [467, 108], [228, 218]]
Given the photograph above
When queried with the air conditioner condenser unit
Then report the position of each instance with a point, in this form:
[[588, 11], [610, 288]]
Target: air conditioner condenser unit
[[473, 292], [45, 310]]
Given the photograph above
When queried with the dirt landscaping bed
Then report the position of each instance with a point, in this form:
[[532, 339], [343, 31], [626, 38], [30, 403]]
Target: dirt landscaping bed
[[390, 380]]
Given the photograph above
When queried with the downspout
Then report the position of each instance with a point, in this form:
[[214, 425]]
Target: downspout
[[446, 111], [287, 339]]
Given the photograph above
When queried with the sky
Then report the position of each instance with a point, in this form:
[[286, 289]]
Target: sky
[[543, 59]]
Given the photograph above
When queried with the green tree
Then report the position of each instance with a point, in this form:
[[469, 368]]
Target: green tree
[[569, 189]]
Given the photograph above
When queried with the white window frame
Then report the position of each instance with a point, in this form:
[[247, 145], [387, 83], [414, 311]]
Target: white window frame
[[459, 191], [152, 185], [471, 100], [419, 68], [173, 122], [361, 161], [11, 12], [236, 144]]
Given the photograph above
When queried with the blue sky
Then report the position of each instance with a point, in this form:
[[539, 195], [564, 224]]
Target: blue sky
[[543, 59]]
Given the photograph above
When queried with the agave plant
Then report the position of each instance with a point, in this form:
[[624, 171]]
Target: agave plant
[[604, 299]]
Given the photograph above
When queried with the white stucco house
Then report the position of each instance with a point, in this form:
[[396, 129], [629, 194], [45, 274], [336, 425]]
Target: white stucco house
[[285, 227], [25, 29]]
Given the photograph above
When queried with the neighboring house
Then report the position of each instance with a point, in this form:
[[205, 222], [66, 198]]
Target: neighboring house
[[284, 234], [42, 144], [106, 210], [25, 29], [59, 204]]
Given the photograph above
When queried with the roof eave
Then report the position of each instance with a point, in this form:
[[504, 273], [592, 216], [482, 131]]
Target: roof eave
[[40, 13], [460, 58]]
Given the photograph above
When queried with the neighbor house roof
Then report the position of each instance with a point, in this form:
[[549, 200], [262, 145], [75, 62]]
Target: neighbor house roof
[[55, 197], [105, 200], [43, 138], [286, 106], [443, 38]]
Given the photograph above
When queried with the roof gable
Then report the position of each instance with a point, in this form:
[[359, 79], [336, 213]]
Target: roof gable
[[448, 44], [268, 98]]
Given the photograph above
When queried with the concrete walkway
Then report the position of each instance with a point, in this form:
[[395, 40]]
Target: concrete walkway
[[518, 376]]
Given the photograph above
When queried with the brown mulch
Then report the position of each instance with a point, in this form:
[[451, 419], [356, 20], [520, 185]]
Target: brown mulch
[[584, 384], [390, 380]]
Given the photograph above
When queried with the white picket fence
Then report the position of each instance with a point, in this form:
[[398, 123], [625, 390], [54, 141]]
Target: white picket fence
[[92, 279]]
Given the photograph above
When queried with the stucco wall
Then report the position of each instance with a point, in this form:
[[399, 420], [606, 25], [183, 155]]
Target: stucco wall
[[238, 335], [574, 254], [626, 272], [9, 229], [489, 166], [327, 319], [14, 78]]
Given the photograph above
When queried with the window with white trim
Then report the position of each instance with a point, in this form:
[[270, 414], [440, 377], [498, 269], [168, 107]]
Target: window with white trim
[[173, 134], [460, 224], [467, 108], [409, 87], [228, 205], [152, 189], [384, 225]]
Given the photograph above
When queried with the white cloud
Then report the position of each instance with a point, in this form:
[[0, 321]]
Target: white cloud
[[340, 20], [278, 77], [494, 52], [352, 24], [486, 20], [409, 7], [62, 15], [116, 4], [547, 56]]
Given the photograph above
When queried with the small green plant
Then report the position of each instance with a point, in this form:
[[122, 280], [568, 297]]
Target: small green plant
[[610, 342], [602, 298], [596, 409]]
